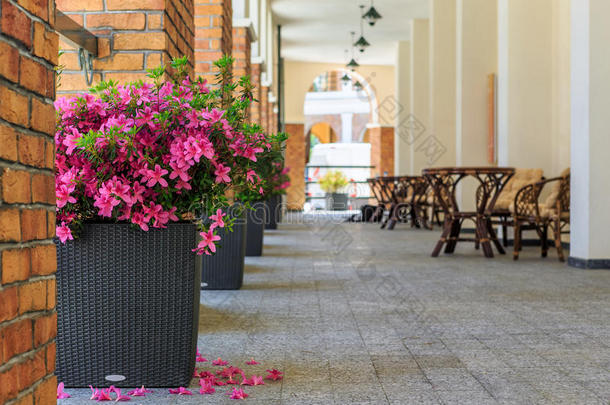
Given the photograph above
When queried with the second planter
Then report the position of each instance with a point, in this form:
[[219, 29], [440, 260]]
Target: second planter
[[225, 269], [255, 229]]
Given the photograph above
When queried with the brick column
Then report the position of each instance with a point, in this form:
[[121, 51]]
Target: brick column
[[295, 160], [213, 34], [241, 52], [265, 108], [255, 108], [133, 36], [382, 150], [28, 321]]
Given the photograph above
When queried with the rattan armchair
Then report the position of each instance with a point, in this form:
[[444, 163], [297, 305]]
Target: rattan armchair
[[531, 214]]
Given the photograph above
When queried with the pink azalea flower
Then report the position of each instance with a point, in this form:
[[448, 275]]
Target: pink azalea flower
[[205, 374], [229, 372], [232, 381], [274, 375], [207, 241], [63, 232], [206, 387], [201, 359], [60, 391], [214, 381], [237, 393], [250, 176], [100, 395], [119, 396], [222, 174], [218, 219], [261, 191], [219, 361], [156, 176], [180, 391], [252, 362], [139, 392], [254, 380], [106, 204], [62, 195]]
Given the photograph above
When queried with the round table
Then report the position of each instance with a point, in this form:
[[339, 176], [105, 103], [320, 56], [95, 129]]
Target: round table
[[444, 181]]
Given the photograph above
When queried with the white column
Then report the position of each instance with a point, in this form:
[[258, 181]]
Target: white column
[[526, 79], [442, 80], [346, 127], [399, 107], [590, 129], [420, 91]]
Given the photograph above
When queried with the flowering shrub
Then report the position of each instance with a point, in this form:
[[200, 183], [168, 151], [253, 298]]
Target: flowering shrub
[[150, 154], [270, 171]]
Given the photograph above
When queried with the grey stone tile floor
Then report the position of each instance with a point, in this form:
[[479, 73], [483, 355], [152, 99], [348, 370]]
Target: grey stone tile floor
[[357, 315]]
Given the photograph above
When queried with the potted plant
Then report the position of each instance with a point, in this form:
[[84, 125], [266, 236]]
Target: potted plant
[[255, 200], [332, 183], [280, 181], [135, 165], [225, 269]]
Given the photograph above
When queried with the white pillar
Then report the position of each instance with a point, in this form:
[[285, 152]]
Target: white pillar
[[400, 108], [346, 127], [526, 81], [442, 80], [420, 91], [590, 129]]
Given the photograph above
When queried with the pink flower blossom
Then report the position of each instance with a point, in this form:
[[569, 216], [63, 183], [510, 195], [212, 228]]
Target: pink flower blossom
[[206, 387], [274, 375], [119, 397], [63, 232], [207, 242], [237, 393], [139, 392], [62, 195], [252, 362], [222, 174], [201, 359], [106, 204], [220, 362], [156, 176], [180, 391], [100, 395], [250, 176], [60, 392], [218, 219], [254, 380]]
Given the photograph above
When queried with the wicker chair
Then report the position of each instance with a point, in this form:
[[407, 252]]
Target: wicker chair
[[554, 212], [377, 192], [501, 215]]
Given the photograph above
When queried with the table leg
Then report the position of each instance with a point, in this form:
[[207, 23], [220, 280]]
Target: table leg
[[447, 226], [453, 236], [481, 229], [494, 237]]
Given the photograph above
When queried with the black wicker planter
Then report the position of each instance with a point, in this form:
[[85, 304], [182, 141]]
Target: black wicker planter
[[256, 229], [128, 305], [274, 212], [225, 269]]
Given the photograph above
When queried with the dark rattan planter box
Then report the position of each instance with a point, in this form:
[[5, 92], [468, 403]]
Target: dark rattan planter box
[[225, 269], [274, 212], [256, 229], [128, 304]]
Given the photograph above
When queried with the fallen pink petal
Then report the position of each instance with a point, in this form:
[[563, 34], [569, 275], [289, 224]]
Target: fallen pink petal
[[274, 375], [180, 391], [252, 362], [139, 392], [60, 392], [201, 359], [220, 362], [238, 393], [206, 387]]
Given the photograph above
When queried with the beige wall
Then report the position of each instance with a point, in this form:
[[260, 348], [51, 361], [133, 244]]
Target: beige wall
[[442, 77], [402, 106], [298, 77]]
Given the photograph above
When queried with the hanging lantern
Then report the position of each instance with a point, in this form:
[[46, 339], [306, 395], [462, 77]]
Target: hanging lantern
[[372, 15], [358, 86], [346, 79], [352, 64], [362, 44]]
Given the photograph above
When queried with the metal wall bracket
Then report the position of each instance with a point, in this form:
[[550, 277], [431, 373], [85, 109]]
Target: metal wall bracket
[[84, 39]]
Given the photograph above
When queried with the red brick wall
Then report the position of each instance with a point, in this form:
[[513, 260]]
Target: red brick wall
[[133, 36], [241, 52], [295, 160], [28, 322], [265, 108], [213, 34], [255, 108]]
